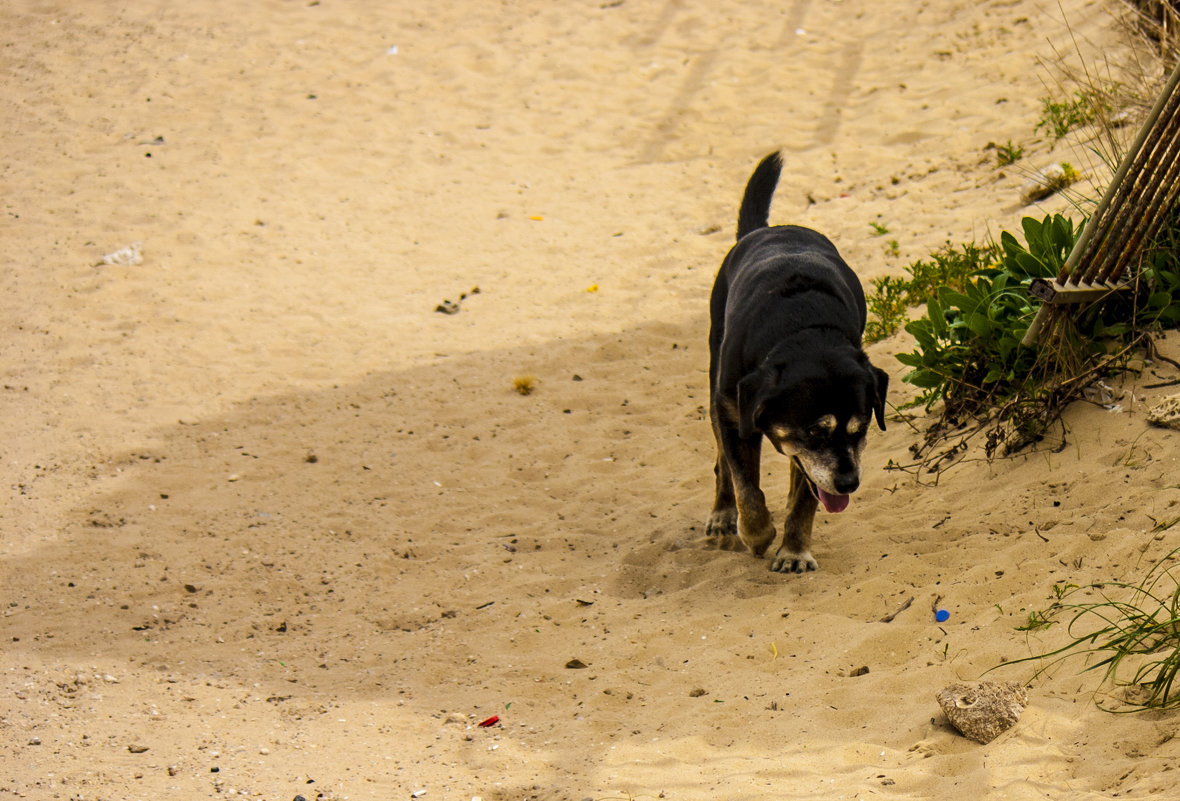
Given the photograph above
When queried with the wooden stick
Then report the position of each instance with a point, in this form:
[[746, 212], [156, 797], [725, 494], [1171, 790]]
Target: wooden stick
[[889, 618]]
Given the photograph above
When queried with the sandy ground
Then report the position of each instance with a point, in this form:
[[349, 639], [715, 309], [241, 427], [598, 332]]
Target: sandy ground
[[273, 526]]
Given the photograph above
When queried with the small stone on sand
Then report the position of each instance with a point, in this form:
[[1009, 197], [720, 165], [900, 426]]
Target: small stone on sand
[[1166, 413], [983, 710]]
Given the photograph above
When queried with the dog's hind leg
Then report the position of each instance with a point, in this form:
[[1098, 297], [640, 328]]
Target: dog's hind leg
[[721, 530], [794, 555]]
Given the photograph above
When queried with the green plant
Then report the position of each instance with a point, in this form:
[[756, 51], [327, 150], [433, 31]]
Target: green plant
[[949, 266], [1059, 117], [1133, 630], [1161, 274], [887, 303], [890, 297], [1036, 621], [969, 349], [879, 229], [1008, 154], [969, 352]]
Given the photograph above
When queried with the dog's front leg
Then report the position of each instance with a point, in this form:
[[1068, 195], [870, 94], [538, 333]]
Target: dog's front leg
[[754, 524], [794, 555]]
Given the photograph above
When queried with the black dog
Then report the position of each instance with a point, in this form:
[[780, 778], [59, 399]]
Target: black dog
[[786, 363]]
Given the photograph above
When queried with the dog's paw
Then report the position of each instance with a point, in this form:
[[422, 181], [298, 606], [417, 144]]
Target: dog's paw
[[791, 562], [760, 542], [757, 539], [721, 530]]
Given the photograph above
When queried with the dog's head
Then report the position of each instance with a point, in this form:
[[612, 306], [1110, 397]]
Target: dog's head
[[817, 411]]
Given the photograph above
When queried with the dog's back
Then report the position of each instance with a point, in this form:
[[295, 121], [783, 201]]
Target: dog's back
[[785, 276]]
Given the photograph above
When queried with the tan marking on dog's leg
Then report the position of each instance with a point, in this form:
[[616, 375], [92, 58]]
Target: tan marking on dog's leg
[[794, 555], [754, 524], [740, 460]]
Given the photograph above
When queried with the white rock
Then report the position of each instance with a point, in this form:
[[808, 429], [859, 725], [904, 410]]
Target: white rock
[[126, 257], [1166, 413], [983, 710]]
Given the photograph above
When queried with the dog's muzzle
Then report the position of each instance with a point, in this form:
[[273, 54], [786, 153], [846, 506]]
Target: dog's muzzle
[[831, 503]]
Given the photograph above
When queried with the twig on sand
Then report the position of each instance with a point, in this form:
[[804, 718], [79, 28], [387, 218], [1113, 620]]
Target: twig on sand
[[889, 618]]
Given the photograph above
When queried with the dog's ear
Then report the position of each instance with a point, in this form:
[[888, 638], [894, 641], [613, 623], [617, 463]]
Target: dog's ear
[[882, 378], [750, 400]]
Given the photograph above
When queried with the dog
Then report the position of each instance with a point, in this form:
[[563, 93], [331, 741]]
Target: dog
[[786, 362]]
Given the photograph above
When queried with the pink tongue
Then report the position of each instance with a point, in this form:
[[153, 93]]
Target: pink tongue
[[833, 503]]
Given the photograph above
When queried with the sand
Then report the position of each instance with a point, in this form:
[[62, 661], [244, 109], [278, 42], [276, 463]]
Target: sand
[[274, 526]]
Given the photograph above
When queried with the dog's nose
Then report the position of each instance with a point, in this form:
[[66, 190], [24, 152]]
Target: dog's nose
[[847, 483]]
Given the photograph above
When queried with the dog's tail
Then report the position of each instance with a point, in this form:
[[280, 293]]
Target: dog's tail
[[755, 211]]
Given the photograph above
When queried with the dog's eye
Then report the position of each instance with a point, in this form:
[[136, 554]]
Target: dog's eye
[[822, 428]]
